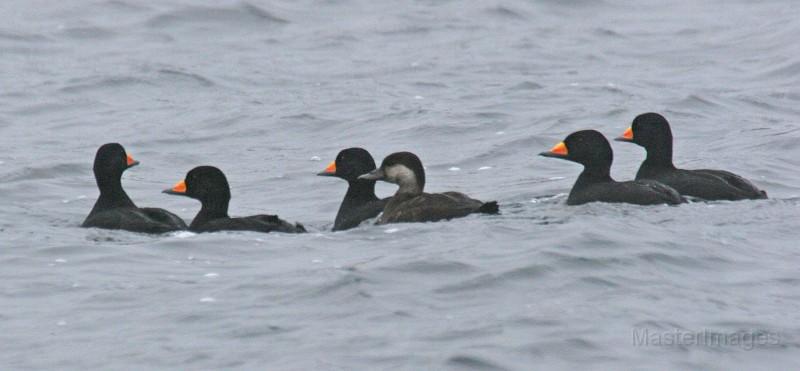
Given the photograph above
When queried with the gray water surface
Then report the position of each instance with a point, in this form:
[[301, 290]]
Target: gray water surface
[[270, 91]]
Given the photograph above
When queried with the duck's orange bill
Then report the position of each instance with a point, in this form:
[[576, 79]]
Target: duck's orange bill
[[179, 187], [628, 134], [331, 169], [559, 149], [131, 161]]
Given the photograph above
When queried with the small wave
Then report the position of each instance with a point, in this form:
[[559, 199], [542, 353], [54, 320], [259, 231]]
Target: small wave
[[583, 262], [88, 33], [176, 75], [785, 95], [788, 70], [526, 85], [672, 260], [257, 331], [468, 332], [490, 280], [601, 31], [597, 281], [658, 325], [428, 84], [433, 267], [45, 108], [408, 30], [81, 85], [45, 172], [473, 363], [233, 16], [15, 36], [505, 13], [118, 5], [350, 282], [696, 101], [758, 103]]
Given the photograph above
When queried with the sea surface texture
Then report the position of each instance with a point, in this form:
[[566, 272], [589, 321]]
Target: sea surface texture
[[270, 91]]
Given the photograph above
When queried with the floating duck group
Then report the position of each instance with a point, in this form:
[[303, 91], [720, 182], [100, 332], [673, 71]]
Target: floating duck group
[[658, 181]]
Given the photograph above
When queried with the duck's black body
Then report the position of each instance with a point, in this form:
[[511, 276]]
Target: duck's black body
[[360, 202], [704, 183], [255, 223], [605, 189], [592, 150], [114, 209], [411, 204], [652, 131], [136, 219], [209, 185]]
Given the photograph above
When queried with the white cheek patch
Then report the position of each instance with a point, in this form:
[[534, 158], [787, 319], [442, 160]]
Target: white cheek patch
[[400, 174]]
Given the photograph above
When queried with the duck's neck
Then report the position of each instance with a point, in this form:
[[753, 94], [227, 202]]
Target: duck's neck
[[215, 208], [598, 174], [359, 192], [409, 187], [111, 195], [659, 156]]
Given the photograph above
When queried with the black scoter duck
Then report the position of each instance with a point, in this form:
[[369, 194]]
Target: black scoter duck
[[360, 202], [209, 185], [114, 209], [652, 131], [411, 204], [592, 150]]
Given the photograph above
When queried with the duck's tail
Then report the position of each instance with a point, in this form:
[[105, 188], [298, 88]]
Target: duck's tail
[[490, 207]]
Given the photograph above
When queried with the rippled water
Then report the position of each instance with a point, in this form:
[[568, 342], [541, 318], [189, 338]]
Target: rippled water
[[270, 91]]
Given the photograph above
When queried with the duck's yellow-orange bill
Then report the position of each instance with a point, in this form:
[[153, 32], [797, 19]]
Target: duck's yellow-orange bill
[[559, 149], [331, 169], [179, 187], [131, 161], [628, 134]]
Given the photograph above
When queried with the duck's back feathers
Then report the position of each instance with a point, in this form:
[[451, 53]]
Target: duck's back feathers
[[145, 220], [431, 207], [744, 187], [706, 184], [255, 223], [640, 192]]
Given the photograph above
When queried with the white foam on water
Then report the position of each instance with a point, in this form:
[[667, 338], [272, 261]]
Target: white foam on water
[[211, 275], [207, 299], [183, 234], [542, 199], [454, 168]]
